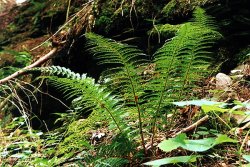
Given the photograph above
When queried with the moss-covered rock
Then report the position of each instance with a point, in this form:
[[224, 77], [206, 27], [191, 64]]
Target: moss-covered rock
[[182, 8]]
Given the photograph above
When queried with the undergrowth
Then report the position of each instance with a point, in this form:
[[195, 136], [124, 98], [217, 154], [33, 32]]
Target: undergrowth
[[121, 119]]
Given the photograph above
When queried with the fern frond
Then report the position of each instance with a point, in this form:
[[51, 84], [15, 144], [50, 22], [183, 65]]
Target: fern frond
[[124, 74], [108, 162], [60, 71], [123, 61], [200, 18], [181, 62], [85, 92]]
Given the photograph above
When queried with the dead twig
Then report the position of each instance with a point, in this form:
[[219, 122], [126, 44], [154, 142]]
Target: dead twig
[[194, 125], [35, 64]]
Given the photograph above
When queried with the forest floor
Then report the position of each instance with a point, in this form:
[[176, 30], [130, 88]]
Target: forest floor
[[237, 92]]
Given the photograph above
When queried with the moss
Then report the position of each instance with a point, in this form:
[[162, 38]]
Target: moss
[[165, 30], [182, 8], [119, 16], [78, 133]]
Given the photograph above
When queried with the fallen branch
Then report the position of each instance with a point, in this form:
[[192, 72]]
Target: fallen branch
[[191, 127], [35, 64]]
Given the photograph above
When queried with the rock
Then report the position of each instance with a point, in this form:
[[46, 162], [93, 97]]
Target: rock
[[19, 2], [242, 69], [223, 81]]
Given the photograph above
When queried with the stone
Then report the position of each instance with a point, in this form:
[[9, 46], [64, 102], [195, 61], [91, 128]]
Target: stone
[[223, 81]]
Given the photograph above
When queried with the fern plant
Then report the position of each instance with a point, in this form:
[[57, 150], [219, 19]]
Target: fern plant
[[179, 64]]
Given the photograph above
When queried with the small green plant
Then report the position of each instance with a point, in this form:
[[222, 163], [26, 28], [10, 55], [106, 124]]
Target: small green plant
[[20, 143], [181, 140]]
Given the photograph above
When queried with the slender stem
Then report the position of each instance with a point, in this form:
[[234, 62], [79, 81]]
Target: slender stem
[[227, 125], [135, 97], [138, 110], [140, 124], [156, 114], [183, 86], [110, 113], [159, 104]]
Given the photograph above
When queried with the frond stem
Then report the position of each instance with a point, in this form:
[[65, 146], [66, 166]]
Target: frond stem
[[183, 86], [108, 110], [135, 97], [158, 108], [138, 110]]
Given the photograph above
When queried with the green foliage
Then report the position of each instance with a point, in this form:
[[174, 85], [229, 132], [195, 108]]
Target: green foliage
[[86, 93], [77, 133], [123, 74], [20, 144], [172, 160], [127, 87], [20, 60], [111, 162], [204, 20], [200, 145], [179, 64], [246, 157], [183, 61]]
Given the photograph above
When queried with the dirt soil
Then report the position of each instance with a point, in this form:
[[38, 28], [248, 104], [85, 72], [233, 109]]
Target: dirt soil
[[6, 17], [25, 44]]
